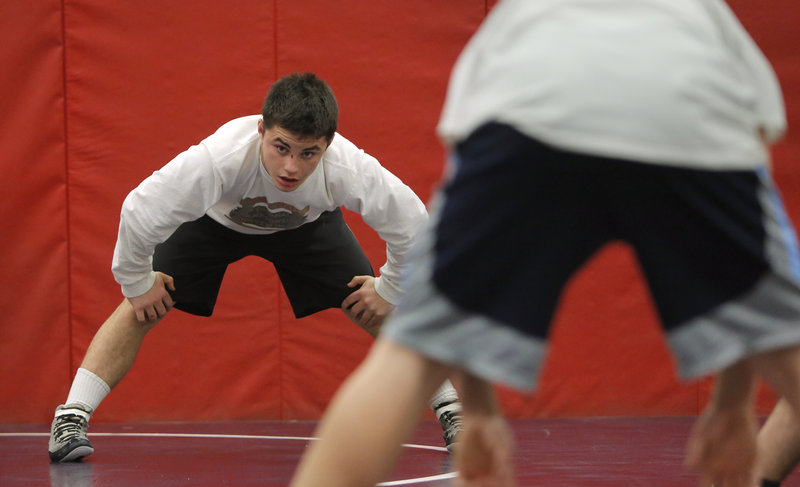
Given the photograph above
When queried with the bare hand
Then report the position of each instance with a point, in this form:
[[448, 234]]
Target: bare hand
[[155, 303], [722, 448], [365, 306], [484, 453]]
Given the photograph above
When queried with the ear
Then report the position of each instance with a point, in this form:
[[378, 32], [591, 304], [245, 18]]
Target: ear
[[261, 127]]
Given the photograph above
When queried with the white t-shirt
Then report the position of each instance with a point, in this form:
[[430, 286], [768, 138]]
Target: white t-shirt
[[675, 82], [223, 177]]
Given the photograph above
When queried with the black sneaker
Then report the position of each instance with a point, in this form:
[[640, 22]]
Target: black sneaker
[[449, 415], [68, 442]]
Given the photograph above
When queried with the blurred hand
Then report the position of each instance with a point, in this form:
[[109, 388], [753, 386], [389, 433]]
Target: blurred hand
[[722, 448], [484, 453]]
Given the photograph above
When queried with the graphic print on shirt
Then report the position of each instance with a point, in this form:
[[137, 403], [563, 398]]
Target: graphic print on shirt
[[260, 213]]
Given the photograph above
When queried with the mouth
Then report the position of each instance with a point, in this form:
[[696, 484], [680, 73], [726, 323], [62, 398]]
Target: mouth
[[289, 182]]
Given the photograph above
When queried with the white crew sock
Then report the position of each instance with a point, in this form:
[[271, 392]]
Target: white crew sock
[[87, 390], [446, 394]]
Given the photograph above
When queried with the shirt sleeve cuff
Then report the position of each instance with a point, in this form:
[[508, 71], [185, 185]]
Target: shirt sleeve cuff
[[387, 291], [140, 287]]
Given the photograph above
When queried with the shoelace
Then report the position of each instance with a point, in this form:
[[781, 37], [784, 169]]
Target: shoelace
[[69, 426], [453, 422]]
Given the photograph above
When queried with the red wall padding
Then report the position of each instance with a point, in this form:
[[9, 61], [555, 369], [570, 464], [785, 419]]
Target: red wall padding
[[97, 95], [35, 333]]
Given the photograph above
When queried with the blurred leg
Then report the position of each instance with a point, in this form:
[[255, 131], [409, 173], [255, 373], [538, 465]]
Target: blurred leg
[[779, 443], [373, 413]]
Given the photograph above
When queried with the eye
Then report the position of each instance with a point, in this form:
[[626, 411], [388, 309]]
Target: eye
[[281, 149], [309, 154]]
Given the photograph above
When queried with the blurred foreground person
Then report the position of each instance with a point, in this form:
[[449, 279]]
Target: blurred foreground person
[[572, 124]]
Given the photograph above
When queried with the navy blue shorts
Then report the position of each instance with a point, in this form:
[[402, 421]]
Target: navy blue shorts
[[517, 219], [314, 262], [526, 224]]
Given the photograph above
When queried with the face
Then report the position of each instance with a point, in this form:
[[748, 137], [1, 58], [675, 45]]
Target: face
[[289, 160]]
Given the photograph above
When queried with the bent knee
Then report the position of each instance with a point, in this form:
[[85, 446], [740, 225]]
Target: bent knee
[[373, 328], [126, 314]]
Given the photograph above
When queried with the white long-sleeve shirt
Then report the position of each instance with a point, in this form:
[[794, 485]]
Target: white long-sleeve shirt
[[676, 82], [223, 177]]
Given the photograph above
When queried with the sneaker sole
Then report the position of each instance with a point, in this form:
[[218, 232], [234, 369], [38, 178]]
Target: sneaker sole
[[75, 455]]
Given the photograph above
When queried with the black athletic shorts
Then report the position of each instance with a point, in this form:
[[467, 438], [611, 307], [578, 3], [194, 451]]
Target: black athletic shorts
[[314, 262], [518, 218]]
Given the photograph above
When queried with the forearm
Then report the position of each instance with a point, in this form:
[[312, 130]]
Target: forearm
[[734, 388], [398, 259], [132, 270], [386, 290], [722, 446], [484, 455], [399, 217], [477, 395]]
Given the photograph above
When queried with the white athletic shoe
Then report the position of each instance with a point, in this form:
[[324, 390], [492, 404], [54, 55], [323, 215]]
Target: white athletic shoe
[[449, 416], [68, 442]]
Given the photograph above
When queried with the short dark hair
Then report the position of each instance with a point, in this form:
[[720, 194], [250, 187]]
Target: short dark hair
[[303, 104]]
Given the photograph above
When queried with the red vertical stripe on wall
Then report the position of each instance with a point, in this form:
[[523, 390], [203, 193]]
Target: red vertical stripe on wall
[[34, 299]]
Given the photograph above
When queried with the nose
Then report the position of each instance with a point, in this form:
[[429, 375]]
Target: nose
[[291, 164]]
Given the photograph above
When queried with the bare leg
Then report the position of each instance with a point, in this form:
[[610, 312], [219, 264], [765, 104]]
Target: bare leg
[[115, 345], [444, 403], [356, 447], [373, 328], [779, 443]]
